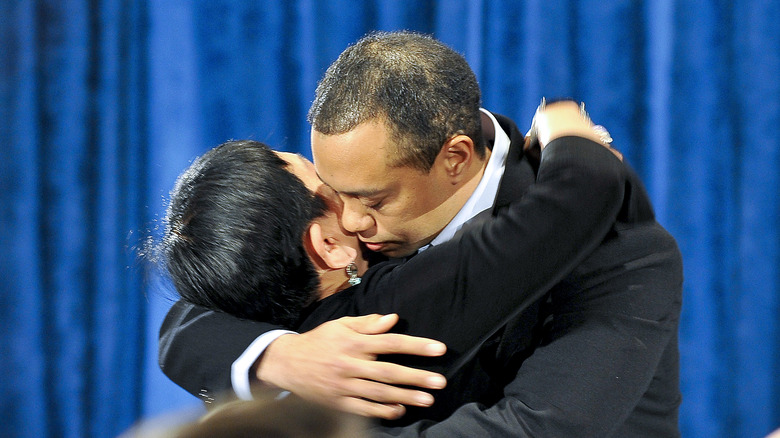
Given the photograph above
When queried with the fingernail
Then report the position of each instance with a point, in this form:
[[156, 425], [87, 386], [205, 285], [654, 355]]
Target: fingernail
[[424, 399], [436, 382], [436, 349]]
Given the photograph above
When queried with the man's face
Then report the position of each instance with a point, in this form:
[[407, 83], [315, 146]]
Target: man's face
[[393, 210]]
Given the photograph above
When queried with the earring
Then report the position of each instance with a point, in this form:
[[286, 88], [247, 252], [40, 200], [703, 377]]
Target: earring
[[352, 273]]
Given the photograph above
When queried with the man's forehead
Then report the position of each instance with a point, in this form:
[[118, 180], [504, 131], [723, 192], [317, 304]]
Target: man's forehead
[[349, 186], [353, 163]]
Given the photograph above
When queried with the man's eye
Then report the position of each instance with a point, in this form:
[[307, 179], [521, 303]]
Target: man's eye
[[373, 204]]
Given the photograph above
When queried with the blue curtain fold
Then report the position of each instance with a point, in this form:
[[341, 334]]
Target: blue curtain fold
[[104, 102], [73, 159]]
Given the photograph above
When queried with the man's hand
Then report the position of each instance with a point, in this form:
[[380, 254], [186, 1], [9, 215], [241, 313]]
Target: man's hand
[[335, 364]]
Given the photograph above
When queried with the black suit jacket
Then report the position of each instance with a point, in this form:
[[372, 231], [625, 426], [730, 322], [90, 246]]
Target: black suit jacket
[[499, 333]]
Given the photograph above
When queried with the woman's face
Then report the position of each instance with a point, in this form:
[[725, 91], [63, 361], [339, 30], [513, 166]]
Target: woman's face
[[304, 170]]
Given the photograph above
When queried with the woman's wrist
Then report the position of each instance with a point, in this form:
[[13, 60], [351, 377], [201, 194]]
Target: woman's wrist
[[565, 118]]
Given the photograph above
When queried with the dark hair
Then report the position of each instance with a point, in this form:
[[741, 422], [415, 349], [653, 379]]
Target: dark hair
[[425, 92], [234, 234]]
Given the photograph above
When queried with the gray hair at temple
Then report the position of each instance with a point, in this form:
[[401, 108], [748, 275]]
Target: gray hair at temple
[[424, 90]]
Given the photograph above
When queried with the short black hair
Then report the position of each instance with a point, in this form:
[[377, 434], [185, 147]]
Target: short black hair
[[234, 234], [424, 90]]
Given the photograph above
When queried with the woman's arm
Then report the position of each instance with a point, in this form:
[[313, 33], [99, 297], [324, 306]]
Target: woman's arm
[[461, 291]]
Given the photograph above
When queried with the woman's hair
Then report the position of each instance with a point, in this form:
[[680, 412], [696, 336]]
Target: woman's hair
[[234, 234]]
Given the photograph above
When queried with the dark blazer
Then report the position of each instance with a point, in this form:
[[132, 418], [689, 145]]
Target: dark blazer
[[533, 245]]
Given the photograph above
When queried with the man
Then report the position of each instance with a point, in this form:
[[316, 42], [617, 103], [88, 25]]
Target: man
[[397, 131]]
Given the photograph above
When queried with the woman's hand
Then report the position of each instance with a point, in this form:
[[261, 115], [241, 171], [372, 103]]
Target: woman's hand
[[566, 118]]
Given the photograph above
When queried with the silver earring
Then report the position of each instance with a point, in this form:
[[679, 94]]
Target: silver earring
[[352, 273]]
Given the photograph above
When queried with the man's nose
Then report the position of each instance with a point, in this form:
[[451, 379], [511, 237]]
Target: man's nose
[[354, 217]]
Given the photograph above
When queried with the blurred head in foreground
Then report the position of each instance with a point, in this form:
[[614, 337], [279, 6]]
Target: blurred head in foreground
[[264, 417], [290, 417]]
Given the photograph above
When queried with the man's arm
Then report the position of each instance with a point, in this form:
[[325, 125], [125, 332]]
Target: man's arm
[[335, 364], [198, 346]]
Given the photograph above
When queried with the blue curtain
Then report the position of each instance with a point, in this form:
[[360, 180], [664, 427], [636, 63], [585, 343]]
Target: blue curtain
[[104, 102]]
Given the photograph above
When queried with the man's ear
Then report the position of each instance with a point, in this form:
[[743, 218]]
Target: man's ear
[[458, 154], [334, 253]]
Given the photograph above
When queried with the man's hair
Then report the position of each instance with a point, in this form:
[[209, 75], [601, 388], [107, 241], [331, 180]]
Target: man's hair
[[234, 234], [422, 89]]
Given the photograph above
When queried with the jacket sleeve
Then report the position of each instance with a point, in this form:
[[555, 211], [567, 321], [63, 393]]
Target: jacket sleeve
[[461, 292], [197, 347]]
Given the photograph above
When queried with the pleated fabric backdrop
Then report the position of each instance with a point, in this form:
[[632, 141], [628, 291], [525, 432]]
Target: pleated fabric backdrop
[[104, 102]]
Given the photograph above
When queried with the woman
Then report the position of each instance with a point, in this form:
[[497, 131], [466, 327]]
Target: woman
[[255, 233]]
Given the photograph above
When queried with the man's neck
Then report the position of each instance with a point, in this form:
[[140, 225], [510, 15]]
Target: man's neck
[[477, 170], [465, 191], [480, 189]]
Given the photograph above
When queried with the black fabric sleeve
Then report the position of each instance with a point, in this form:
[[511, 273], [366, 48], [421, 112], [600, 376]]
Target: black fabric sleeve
[[198, 346], [462, 291]]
